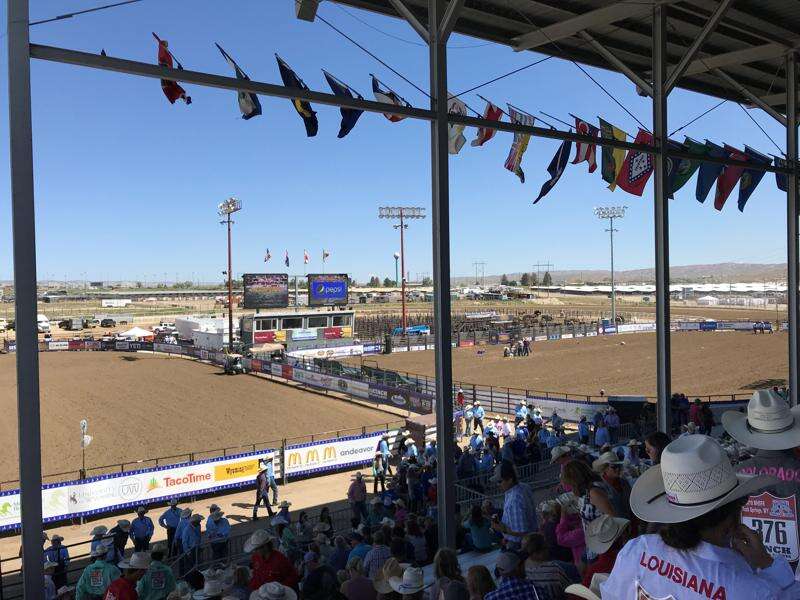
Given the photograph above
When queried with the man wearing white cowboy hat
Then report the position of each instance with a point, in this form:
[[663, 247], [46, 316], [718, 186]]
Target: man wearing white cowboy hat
[[268, 563], [141, 530], [605, 537], [773, 429], [133, 569], [703, 550], [520, 413], [383, 450], [58, 554], [98, 533], [169, 520], [477, 415], [273, 591], [97, 576], [631, 451], [218, 529], [411, 449], [159, 581], [410, 585], [560, 455], [468, 420]]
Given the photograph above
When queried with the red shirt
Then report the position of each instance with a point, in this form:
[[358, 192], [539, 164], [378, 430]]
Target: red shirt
[[603, 564], [121, 589], [276, 567]]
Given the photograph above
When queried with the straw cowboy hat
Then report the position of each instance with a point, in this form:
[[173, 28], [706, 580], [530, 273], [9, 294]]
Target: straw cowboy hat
[[607, 458], [558, 452], [391, 568], [409, 441], [273, 591], [590, 593], [260, 537], [603, 532], [411, 582], [695, 477], [284, 504], [212, 588], [137, 560], [768, 425]]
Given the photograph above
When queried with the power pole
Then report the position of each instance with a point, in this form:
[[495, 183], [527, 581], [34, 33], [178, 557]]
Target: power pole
[[479, 264], [402, 213], [226, 209], [548, 265]]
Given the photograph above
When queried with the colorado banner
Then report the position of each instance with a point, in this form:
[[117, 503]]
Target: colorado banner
[[329, 455]]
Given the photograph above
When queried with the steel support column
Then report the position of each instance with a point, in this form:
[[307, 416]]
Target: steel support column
[[663, 370], [792, 213], [440, 211], [24, 234]]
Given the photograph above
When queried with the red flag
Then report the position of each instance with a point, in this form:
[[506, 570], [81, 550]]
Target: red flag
[[638, 166], [172, 90], [585, 151], [490, 113], [306, 257], [729, 177]]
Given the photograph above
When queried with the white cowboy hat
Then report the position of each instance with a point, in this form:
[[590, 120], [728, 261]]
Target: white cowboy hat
[[606, 458], [603, 532], [412, 581], [695, 477], [406, 432], [137, 560], [387, 521], [558, 452], [99, 530], [408, 442], [212, 588], [279, 520], [768, 425], [260, 537], [273, 591], [391, 568], [634, 442]]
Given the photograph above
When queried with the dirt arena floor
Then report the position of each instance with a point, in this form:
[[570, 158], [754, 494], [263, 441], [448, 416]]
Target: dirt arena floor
[[141, 406], [702, 363]]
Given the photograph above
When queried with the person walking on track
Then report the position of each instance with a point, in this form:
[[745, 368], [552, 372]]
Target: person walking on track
[[265, 481]]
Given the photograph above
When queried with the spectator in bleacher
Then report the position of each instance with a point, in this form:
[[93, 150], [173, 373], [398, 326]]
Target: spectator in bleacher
[[375, 512], [696, 413], [569, 533], [431, 533], [58, 554], [378, 554], [478, 413], [357, 496], [468, 420], [536, 415], [460, 399], [303, 529], [510, 569], [411, 450], [325, 522], [548, 575], [594, 494], [605, 537], [400, 512], [601, 435], [358, 546], [283, 511], [445, 570], [631, 452], [583, 430], [133, 569], [391, 568], [169, 520], [357, 587], [519, 507], [267, 563], [97, 576], [609, 467], [551, 515], [239, 588], [274, 591], [340, 551], [99, 535], [479, 527], [544, 436], [190, 541], [158, 581], [467, 466], [708, 419], [415, 537], [218, 529], [654, 445], [479, 582], [476, 441], [492, 444], [141, 530]]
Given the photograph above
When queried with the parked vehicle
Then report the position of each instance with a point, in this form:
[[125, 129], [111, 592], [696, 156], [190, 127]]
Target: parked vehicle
[[3, 325], [42, 324], [108, 323], [91, 322], [165, 327]]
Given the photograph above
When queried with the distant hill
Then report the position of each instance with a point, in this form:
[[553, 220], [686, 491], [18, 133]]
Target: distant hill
[[716, 273]]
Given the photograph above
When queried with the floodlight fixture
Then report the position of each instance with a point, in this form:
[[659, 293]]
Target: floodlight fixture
[[230, 206]]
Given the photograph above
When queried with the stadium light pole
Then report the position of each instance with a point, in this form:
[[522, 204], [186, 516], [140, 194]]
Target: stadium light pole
[[226, 209], [611, 213], [401, 213], [396, 275]]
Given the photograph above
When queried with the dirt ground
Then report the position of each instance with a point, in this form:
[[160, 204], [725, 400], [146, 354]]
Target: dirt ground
[[702, 363], [141, 406]]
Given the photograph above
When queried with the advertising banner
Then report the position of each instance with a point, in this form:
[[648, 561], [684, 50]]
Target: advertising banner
[[402, 398], [776, 520], [688, 326], [373, 348], [59, 345], [112, 492], [327, 290], [571, 411], [332, 333], [304, 334], [329, 382], [634, 327], [316, 457], [266, 290], [76, 345], [168, 348], [708, 326], [332, 352]]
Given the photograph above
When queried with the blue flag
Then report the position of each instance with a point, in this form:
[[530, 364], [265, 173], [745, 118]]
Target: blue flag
[[781, 179], [708, 172], [751, 177], [349, 115], [556, 168], [303, 107], [248, 102]]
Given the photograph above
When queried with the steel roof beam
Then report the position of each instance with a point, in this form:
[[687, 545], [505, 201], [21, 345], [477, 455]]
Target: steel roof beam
[[616, 62], [449, 19], [412, 20], [692, 51], [750, 96], [737, 57]]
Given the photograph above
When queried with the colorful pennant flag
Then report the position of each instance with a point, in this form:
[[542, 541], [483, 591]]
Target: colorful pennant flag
[[490, 113], [708, 172], [306, 257], [303, 107], [751, 177], [267, 256], [286, 258], [349, 115], [781, 179], [520, 143], [686, 168], [729, 177], [388, 96], [585, 151], [611, 158], [556, 168], [172, 90], [455, 131], [325, 255], [248, 102], [637, 167]]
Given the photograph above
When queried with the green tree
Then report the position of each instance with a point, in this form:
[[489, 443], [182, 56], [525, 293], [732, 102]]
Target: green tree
[[427, 282], [388, 282], [374, 282], [513, 283], [504, 280], [525, 280], [547, 280]]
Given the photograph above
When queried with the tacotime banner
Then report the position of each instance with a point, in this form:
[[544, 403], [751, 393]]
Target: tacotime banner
[[329, 455], [401, 398]]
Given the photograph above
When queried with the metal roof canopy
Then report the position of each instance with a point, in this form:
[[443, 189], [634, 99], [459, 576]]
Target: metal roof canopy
[[732, 50]]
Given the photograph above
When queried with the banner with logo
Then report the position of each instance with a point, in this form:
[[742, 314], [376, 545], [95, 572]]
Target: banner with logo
[[568, 410], [106, 493], [776, 520], [329, 455], [331, 352], [401, 398], [168, 348]]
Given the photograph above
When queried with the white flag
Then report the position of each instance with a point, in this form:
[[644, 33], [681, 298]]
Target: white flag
[[86, 440], [456, 139]]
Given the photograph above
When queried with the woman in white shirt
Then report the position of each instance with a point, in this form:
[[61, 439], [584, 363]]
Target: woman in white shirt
[[703, 550]]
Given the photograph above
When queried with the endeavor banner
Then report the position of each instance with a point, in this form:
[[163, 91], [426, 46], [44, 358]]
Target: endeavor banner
[[105, 493], [328, 455]]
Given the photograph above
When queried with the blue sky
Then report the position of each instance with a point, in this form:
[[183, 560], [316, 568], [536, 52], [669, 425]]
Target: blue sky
[[127, 185]]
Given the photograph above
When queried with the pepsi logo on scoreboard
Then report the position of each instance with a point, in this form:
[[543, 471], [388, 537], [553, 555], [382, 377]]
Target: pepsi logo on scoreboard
[[327, 290]]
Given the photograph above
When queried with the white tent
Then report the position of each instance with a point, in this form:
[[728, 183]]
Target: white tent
[[136, 333], [708, 301]]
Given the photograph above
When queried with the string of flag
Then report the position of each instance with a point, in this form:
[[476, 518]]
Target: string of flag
[[628, 170]]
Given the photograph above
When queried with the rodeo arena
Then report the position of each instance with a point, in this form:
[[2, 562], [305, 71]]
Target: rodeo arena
[[332, 451]]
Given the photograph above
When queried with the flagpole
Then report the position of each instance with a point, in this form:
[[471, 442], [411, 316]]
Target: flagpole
[[557, 119]]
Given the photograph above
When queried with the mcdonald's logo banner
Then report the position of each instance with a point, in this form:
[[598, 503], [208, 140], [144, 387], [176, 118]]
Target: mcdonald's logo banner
[[330, 455]]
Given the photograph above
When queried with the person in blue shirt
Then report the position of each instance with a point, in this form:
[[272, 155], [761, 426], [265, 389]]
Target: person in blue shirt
[[383, 448], [468, 420], [141, 530], [521, 413], [522, 432], [553, 441], [537, 417], [601, 435], [430, 450], [59, 555], [218, 529], [467, 466], [544, 435], [411, 449], [478, 413], [557, 421], [583, 430], [99, 534], [486, 463], [507, 452], [190, 541], [169, 520], [489, 428], [359, 548], [177, 549], [476, 442]]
